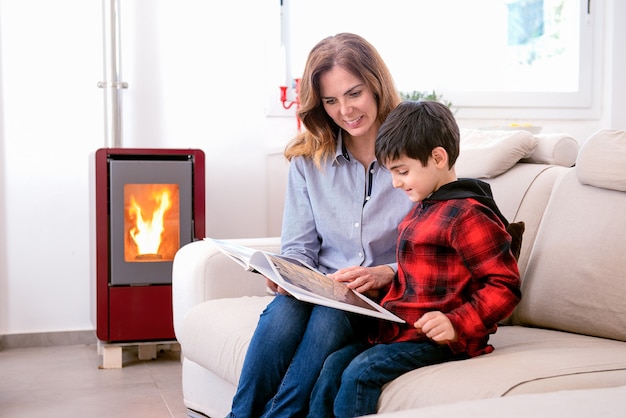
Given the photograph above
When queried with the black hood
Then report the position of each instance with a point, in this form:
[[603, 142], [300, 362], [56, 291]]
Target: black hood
[[466, 188]]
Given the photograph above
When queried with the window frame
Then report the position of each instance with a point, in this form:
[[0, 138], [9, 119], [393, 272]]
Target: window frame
[[581, 104]]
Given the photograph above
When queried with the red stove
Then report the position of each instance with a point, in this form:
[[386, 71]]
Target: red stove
[[149, 203]]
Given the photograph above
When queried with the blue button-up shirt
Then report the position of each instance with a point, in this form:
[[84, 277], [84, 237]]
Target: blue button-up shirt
[[343, 215]]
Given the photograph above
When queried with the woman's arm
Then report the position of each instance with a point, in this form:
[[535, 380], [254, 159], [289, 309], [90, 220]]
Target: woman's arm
[[299, 236]]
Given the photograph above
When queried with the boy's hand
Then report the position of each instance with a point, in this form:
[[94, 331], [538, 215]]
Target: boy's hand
[[364, 279], [436, 326]]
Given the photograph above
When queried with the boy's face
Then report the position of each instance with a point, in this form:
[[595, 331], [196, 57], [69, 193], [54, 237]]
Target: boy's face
[[417, 181]]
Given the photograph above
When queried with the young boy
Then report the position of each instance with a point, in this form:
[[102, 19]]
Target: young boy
[[456, 279]]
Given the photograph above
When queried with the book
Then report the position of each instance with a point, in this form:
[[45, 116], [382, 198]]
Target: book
[[302, 281]]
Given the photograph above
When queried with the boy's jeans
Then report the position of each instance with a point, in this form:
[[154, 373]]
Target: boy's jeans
[[285, 356], [352, 378]]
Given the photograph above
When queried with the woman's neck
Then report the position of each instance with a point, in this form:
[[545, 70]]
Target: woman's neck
[[362, 147]]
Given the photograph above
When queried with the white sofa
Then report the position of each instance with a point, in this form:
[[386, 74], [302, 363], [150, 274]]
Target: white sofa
[[567, 335]]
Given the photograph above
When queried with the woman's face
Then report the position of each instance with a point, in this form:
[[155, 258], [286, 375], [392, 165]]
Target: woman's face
[[349, 102]]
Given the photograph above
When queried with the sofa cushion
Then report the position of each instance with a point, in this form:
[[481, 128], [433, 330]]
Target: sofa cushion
[[489, 153], [602, 402], [216, 334], [575, 278], [525, 360], [554, 149], [602, 160]]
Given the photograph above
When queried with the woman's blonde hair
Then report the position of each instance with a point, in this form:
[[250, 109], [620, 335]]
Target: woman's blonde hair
[[357, 56]]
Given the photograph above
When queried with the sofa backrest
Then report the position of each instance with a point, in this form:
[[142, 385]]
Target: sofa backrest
[[522, 194], [520, 188], [575, 280]]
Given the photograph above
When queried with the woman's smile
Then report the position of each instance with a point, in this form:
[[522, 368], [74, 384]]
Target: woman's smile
[[354, 122]]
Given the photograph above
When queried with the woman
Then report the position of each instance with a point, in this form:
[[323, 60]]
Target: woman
[[341, 216]]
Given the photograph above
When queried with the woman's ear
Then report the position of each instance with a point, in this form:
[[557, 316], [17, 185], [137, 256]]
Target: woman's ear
[[440, 156]]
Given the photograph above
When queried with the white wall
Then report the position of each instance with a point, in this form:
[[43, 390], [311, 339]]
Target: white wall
[[198, 79]]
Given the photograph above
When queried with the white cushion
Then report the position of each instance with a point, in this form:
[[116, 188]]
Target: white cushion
[[489, 153], [607, 402], [556, 149], [575, 276], [602, 160], [216, 333], [525, 360]]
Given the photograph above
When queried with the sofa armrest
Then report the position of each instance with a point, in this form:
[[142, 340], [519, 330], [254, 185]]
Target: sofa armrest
[[200, 272]]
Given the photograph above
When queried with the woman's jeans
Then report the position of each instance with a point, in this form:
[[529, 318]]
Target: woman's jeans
[[285, 356], [352, 378]]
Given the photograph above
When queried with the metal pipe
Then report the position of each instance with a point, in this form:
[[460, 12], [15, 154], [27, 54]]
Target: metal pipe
[[112, 73]]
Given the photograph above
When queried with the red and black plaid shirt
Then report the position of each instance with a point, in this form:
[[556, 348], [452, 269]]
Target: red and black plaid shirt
[[454, 257]]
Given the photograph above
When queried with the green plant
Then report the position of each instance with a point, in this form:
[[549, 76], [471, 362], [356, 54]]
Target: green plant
[[425, 95]]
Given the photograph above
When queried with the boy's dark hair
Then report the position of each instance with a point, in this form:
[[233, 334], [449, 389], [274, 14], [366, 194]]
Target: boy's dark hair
[[414, 129]]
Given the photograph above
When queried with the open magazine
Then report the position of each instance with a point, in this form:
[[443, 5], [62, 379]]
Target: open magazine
[[302, 281]]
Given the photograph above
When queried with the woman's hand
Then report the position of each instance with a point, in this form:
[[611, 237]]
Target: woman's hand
[[366, 280], [274, 287]]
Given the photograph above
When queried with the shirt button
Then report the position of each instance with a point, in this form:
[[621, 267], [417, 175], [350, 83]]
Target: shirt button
[[356, 224]]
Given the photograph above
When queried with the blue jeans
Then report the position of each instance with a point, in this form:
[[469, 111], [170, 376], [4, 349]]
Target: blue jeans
[[285, 356], [352, 378]]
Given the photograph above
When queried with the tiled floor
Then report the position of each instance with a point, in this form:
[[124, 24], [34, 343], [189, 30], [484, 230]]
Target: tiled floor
[[66, 381]]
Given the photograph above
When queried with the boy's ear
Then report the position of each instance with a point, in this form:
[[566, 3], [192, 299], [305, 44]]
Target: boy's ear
[[440, 155]]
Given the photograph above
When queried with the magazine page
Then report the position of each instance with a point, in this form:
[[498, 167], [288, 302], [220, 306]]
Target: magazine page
[[309, 285], [242, 255], [238, 253], [302, 281]]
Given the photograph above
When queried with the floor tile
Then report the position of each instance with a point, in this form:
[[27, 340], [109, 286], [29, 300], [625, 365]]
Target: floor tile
[[66, 381]]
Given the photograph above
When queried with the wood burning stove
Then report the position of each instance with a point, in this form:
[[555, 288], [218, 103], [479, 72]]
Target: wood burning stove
[[149, 203]]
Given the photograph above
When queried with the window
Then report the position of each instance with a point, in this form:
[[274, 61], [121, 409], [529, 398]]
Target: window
[[496, 54]]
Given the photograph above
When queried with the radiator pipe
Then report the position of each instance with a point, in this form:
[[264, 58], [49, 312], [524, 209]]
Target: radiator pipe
[[112, 72]]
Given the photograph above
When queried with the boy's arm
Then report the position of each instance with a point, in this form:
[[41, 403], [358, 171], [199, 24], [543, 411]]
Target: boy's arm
[[480, 242]]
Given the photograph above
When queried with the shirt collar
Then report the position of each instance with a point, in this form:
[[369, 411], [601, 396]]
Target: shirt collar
[[341, 151]]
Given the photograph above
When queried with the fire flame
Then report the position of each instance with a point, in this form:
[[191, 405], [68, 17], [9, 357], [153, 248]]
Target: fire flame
[[147, 233], [146, 228]]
